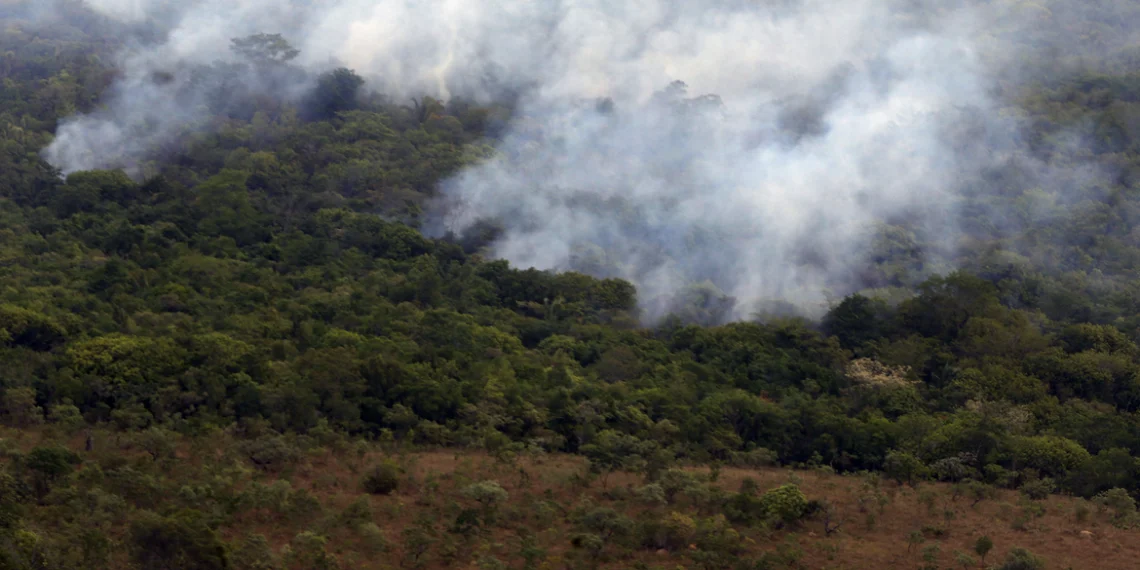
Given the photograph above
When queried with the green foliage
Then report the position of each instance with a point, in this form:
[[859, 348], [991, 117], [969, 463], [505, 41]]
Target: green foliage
[[382, 479], [48, 465], [975, 491], [904, 467], [1039, 489], [982, 546], [20, 409], [307, 550], [336, 92], [857, 321], [254, 553], [11, 508], [489, 494], [1119, 505], [270, 452], [964, 560], [182, 541], [265, 276], [786, 503], [1022, 559], [614, 451], [264, 48], [1048, 454]]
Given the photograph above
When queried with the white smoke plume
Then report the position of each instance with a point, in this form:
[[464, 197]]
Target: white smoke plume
[[800, 125]]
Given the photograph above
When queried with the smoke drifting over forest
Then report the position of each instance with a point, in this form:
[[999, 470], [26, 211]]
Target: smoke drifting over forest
[[800, 125]]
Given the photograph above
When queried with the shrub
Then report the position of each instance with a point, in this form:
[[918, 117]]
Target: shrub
[[674, 482], [983, 546], [487, 493], [307, 550], [269, 452], [744, 508], [964, 560], [606, 523], [48, 465], [679, 530], [717, 535], [357, 514], [975, 491], [652, 493], [254, 553], [759, 457], [383, 479], [183, 541], [1022, 559], [1039, 489], [786, 503], [954, 468], [1120, 504]]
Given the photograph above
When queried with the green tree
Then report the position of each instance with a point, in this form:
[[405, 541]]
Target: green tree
[[983, 546], [180, 542], [904, 467], [613, 451], [336, 92], [382, 479], [1022, 559], [785, 504], [857, 320], [48, 465], [264, 48], [1049, 454]]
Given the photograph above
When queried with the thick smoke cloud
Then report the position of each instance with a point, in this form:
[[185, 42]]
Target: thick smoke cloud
[[800, 125]]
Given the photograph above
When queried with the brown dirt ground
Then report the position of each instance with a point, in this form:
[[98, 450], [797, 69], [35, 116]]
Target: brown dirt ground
[[333, 478]]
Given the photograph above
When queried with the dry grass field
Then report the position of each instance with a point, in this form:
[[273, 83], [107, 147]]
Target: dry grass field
[[874, 523]]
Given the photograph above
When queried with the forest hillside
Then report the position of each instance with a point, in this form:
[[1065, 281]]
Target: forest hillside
[[266, 310]]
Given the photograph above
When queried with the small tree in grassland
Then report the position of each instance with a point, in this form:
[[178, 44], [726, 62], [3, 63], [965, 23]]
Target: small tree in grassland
[[983, 546], [785, 504], [382, 479], [964, 560], [1022, 559], [489, 495], [613, 451]]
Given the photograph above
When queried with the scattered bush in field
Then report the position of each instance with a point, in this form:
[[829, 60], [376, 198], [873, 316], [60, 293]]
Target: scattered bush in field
[[983, 546], [383, 479], [1081, 511], [489, 494], [679, 529], [254, 553], [307, 550], [183, 541], [606, 523], [1039, 489], [48, 466], [715, 534], [1120, 506], [652, 493], [270, 452], [975, 491], [964, 560], [357, 513], [786, 503], [674, 482], [1022, 559]]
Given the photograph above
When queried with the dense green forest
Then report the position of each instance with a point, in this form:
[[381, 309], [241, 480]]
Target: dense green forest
[[265, 277]]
